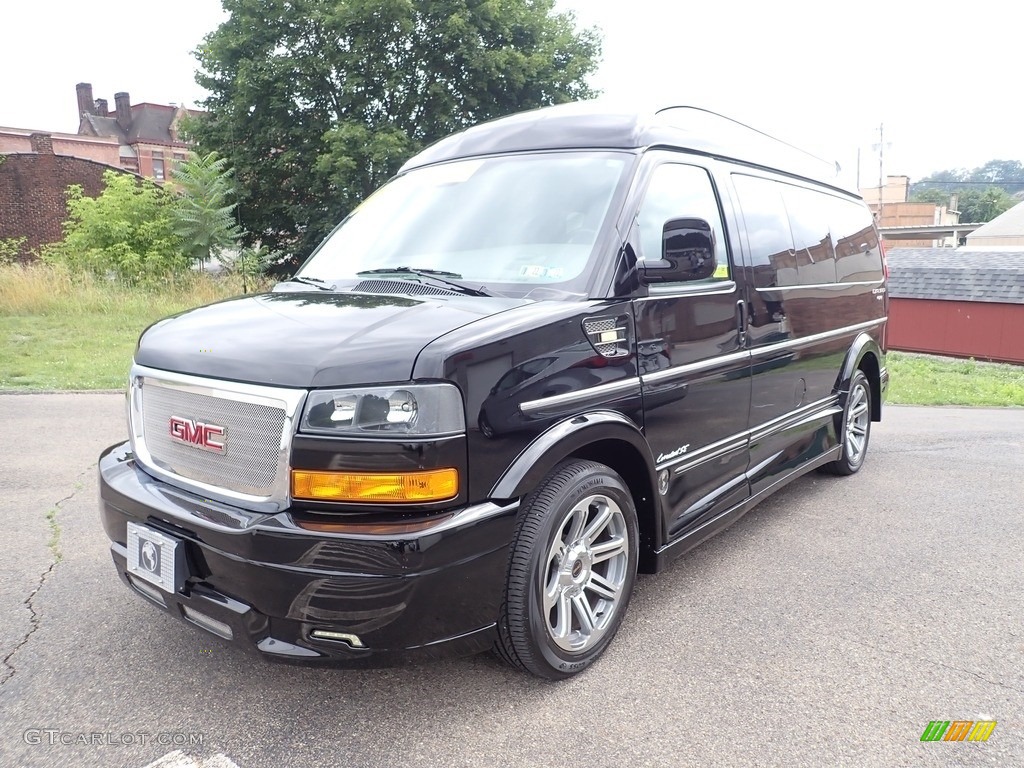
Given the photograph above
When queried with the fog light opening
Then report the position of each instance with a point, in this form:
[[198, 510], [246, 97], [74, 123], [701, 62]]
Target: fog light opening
[[147, 591], [208, 623], [337, 637]]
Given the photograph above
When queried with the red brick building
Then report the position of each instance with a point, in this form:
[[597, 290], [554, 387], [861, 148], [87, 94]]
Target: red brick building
[[148, 135], [33, 188], [37, 167]]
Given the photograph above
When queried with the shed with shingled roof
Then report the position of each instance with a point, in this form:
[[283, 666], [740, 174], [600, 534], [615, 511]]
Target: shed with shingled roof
[[963, 302]]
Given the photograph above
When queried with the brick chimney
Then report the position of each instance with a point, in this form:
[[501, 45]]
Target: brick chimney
[[85, 102], [124, 110], [102, 108], [42, 143]]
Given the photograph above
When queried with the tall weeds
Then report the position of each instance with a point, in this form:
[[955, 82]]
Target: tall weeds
[[55, 290]]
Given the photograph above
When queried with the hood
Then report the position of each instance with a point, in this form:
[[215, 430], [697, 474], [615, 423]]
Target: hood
[[314, 339]]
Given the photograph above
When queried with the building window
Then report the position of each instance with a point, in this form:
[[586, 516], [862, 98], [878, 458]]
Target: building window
[[158, 167]]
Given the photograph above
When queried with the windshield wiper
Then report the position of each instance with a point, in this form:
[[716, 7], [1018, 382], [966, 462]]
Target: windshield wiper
[[316, 282], [436, 277]]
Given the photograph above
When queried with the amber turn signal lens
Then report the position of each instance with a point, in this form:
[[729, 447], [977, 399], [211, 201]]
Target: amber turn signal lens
[[393, 487]]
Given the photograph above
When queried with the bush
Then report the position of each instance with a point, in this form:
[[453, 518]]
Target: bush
[[10, 248], [126, 232]]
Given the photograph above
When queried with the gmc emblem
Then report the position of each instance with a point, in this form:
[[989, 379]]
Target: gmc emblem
[[209, 437]]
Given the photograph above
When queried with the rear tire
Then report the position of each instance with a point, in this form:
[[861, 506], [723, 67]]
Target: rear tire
[[854, 429], [571, 571]]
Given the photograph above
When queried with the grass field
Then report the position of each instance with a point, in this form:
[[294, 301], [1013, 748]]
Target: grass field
[[64, 331], [928, 380], [60, 330]]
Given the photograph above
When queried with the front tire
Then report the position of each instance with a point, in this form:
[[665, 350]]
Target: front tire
[[571, 571], [855, 428]]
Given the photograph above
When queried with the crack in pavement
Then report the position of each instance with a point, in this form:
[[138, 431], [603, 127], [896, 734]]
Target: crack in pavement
[[54, 546], [939, 664]]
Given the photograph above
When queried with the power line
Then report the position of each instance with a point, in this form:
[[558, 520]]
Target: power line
[[987, 183]]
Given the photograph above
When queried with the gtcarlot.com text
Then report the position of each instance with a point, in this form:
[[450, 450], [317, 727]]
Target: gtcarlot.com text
[[57, 736]]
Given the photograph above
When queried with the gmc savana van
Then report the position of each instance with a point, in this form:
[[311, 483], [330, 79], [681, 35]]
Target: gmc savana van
[[555, 350]]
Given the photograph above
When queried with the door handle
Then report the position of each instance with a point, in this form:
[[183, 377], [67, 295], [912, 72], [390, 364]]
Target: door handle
[[741, 323]]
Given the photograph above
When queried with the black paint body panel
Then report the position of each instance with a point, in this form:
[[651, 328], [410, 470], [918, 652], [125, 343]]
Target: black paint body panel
[[708, 398]]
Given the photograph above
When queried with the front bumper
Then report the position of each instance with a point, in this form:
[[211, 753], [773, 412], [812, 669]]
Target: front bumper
[[432, 593]]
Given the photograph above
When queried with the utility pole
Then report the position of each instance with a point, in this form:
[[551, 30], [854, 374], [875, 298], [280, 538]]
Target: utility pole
[[880, 146], [881, 178]]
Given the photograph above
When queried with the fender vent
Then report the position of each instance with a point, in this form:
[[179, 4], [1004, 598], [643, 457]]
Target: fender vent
[[608, 335], [404, 287]]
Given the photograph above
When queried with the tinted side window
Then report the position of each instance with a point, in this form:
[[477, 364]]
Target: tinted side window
[[674, 192], [814, 258], [858, 255], [767, 229]]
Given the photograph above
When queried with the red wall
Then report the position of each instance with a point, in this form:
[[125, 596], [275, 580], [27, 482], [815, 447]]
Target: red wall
[[985, 331], [33, 195]]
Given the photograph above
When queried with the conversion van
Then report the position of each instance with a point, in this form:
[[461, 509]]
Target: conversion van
[[556, 350]]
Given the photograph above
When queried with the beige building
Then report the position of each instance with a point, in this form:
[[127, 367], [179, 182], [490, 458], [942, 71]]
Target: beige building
[[896, 211], [896, 190], [1004, 231]]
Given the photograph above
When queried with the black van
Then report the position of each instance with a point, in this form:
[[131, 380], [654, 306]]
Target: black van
[[555, 350]]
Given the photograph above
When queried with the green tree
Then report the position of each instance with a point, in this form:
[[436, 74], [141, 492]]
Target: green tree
[[316, 102], [203, 212], [128, 231], [933, 196], [1007, 175], [978, 205]]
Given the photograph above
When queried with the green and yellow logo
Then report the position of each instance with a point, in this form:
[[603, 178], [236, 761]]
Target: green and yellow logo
[[958, 730]]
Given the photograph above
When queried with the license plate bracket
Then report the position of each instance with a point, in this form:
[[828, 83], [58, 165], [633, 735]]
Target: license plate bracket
[[157, 558]]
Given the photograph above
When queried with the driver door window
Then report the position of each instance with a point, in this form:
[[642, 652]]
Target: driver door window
[[680, 191]]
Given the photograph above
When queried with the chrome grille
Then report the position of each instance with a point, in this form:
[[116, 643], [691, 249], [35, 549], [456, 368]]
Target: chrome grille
[[249, 461], [257, 424]]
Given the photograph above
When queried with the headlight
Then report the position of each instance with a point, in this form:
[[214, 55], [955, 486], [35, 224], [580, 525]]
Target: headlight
[[417, 409]]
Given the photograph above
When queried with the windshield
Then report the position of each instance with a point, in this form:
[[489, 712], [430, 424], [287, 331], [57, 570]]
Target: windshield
[[511, 223]]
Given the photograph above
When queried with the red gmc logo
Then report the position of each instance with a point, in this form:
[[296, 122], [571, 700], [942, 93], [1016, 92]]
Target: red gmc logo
[[209, 437]]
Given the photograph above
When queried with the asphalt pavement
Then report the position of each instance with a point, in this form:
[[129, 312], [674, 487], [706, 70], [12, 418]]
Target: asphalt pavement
[[828, 627]]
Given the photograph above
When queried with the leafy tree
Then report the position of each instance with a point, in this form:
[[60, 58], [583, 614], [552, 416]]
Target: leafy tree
[[933, 195], [316, 102], [975, 204], [1000, 172], [978, 205], [974, 184], [203, 212], [128, 231]]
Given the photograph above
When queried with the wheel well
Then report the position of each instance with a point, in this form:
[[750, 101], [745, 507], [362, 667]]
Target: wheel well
[[627, 461], [869, 366]]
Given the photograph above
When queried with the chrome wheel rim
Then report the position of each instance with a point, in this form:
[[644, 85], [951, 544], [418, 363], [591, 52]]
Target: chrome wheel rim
[[858, 417], [584, 574]]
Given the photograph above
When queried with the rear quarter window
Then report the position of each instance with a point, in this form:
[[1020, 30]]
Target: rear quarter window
[[858, 252]]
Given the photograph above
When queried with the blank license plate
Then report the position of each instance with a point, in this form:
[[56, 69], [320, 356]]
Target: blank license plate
[[156, 557]]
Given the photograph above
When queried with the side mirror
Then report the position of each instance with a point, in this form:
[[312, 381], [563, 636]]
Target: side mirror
[[687, 253]]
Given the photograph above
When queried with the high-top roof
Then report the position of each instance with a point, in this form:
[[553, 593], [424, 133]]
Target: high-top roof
[[588, 125]]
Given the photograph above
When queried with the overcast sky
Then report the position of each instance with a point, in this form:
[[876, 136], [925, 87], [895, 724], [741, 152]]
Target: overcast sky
[[942, 77]]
